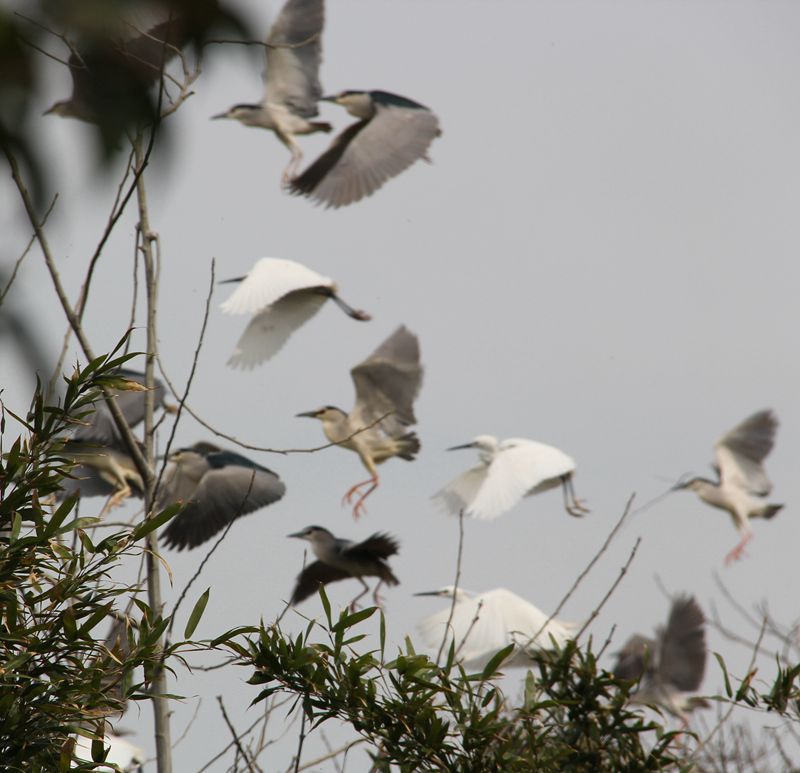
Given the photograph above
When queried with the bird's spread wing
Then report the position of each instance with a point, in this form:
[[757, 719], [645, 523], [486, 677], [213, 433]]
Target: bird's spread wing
[[459, 493], [388, 382], [524, 621], [682, 660], [222, 496], [377, 546], [518, 467], [267, 333], [634, 657], [268, 281], [741, 451], [101, 426], [314, 575], [294, 52], [367, 154]]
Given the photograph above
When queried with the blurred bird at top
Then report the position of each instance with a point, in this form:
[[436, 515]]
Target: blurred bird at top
[[104, 465], [340, 559], [392, 132], [671, 664], [387, 383], [482, 624], [216, 487], [742, 483], [282, 295], [120, 49], [291, 79], [509, 470]]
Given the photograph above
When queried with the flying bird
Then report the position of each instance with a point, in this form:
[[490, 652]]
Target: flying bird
[[120, 51], [742, 484], [281, 295], [340, 559], [216, 487], [485, 623], [508, 471], [392, 132], [291, 79], [104, 466], [387, 383], [671, 664]]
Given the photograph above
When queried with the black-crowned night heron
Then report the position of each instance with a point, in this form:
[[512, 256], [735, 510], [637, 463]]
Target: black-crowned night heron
[[391, 134], [216, 487], [671, 664], [281, 295], [103, 464], [340, 559], [387, 383], [291, 79], [484, 623], [509, 470], [120, 52], [741, 484]]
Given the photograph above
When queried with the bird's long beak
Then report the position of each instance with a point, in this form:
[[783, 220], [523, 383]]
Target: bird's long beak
[[219, 115], [682, 482], [428, 593], [459, 448], [296, 535], [307, 415], [329, 98]]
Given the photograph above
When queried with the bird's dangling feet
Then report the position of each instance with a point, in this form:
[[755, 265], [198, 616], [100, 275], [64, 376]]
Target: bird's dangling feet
[[738, 551]]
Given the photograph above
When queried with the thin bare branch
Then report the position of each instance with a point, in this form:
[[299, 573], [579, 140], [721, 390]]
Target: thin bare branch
[[331, 755], [448, 625], [235, 736]]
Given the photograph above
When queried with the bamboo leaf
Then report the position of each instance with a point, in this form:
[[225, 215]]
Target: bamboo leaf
[[197, 613]]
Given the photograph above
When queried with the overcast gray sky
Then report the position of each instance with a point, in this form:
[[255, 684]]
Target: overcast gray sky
[[602, 257]]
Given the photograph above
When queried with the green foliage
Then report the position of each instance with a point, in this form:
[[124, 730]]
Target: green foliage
[[58, 595], [421, 716]]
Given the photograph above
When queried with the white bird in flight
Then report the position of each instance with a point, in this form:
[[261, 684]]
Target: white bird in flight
[[742, 483], [485, 623], [509, 470], [281, 295]]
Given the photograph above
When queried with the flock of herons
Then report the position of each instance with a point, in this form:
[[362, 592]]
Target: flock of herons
[[216, 486]]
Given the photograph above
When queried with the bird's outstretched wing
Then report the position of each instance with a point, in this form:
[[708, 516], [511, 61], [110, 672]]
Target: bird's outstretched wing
[[222, 496], [268, 281], [294, 53], [379, 545], [269, 330], [388, 381], [636, 655], [458, 494], [741, 451], [370, 152], [518, 467], [682, 660], [101, 427], [314, 575]]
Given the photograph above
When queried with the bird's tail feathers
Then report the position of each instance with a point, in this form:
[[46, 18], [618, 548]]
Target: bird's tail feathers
[[321, 126], [696, 702], [408, 446], [770, 511]]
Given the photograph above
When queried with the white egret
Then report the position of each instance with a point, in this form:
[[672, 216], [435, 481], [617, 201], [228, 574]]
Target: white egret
[[387, 383], [484, 623], [216, 487], [391, 134], [671, 664], [509, 470], [742, 483], [282, 295], [291, 79], [340, 559]]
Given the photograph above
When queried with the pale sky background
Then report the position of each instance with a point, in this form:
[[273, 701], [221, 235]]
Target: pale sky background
[[602, 257]]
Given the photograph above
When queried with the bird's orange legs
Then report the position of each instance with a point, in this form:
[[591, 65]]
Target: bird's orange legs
[[373, 483]]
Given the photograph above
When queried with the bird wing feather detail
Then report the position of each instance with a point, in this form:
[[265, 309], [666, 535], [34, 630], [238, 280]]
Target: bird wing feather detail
[[367, 154], [741, 451], [682, 659], [314, 575], [294, 53]]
